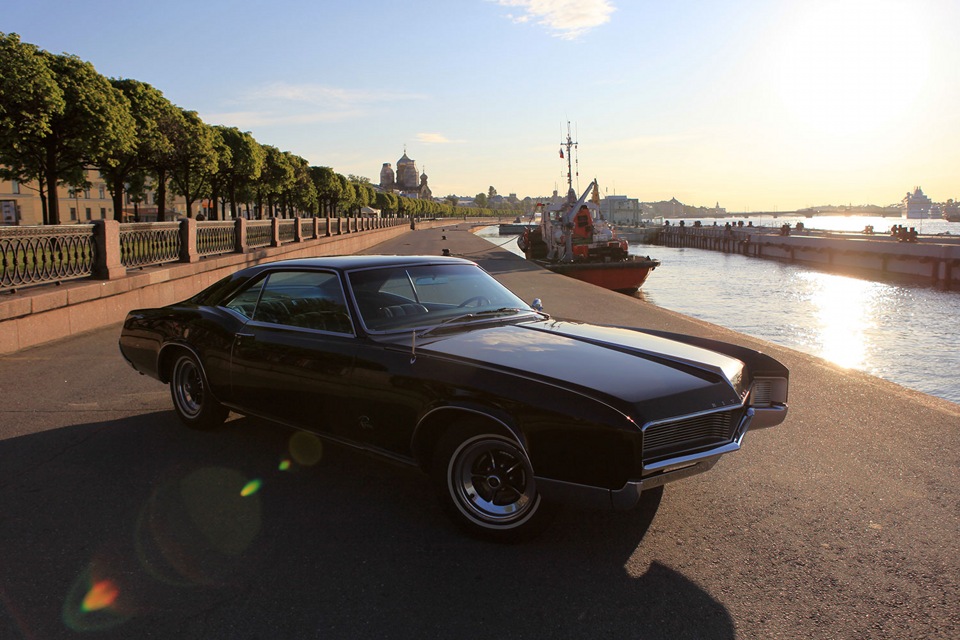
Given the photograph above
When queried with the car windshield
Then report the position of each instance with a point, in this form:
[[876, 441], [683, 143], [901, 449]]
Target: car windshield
[[426, 296]]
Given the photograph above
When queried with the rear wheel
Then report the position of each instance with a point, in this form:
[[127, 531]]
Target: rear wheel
[[485, 482], [192, 400]]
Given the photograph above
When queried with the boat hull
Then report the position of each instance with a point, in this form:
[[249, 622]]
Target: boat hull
[[625, 276]]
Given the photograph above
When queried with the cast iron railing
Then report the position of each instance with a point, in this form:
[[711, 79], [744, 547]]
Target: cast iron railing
[[32, 255], [42, 254], [149, 243]]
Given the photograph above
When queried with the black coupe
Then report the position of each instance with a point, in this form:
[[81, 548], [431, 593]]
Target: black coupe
[[431, 361]]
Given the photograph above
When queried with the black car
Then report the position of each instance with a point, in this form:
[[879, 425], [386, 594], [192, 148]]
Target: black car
[[431, 361]]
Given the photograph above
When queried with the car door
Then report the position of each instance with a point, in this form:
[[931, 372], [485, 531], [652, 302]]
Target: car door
[[292, 360]]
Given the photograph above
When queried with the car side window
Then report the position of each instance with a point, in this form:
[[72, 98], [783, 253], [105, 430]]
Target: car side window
[[305, 299], [246, 301]]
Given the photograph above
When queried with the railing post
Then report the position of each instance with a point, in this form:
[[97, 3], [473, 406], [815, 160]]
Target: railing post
[[106, 242], [240, 235], [275, 230], [328, 233], [339, 226], [188, 241], [297, 229], [316, 227]]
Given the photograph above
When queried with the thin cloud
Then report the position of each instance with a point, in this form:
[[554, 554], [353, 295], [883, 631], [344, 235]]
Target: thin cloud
[[566, 19], [435, 138], [250, 119], [325, 96], [298, 104]]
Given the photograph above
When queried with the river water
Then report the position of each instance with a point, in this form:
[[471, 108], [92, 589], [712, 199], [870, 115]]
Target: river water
[[908, 334]]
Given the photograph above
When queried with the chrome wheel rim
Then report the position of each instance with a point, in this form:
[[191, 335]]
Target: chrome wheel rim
[[491, 482], [188, 387]]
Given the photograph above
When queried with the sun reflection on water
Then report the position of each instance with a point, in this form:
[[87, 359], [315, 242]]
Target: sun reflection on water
[[844, 313]]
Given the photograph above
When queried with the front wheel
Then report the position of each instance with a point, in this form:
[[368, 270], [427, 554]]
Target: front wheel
[[192, 400], [485, 482]]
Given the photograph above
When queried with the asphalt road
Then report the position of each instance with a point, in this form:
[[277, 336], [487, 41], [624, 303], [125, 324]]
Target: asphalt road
[[843, 522]]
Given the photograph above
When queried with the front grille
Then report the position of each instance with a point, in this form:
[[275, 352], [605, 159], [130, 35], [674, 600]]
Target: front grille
[[678, 436]]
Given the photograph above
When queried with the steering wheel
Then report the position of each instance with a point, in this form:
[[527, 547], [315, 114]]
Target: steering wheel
[[475, 301]]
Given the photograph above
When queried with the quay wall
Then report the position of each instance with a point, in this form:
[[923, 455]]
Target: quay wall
[[930, 260], [37, 315]]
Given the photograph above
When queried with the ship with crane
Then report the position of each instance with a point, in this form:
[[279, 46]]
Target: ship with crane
[[574, 239]]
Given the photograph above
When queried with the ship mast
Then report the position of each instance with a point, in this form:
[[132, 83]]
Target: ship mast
[[569, 145]]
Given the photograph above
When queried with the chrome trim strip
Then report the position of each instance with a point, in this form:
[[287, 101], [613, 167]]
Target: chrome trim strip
[[628, 496], [683, 462]]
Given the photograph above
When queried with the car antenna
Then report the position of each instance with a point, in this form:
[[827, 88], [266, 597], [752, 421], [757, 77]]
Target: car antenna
[[413, 347]]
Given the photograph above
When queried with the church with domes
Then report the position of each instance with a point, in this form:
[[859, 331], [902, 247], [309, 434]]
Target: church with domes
[[405, 181]]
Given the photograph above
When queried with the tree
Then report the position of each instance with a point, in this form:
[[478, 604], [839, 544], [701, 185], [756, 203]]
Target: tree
[[162, 159], [217, 179], [453, 200], [93, 123], [347, 195], [328, 188], [127, 167], [481, 199], [245, 164], [276, 177], [301, 196], [386, 202], [30, 99], [361, 197], [491, 192], [194, 158]]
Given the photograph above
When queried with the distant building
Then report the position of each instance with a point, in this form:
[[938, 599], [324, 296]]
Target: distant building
[[621, 209], [673, 208], [20, 203], [405, 181], [916, 205]]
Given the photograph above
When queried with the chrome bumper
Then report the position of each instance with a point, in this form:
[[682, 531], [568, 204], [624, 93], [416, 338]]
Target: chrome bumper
[[658, 473]]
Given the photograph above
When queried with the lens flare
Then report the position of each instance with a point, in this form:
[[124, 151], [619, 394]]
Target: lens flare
[[94, 602], [101, 595], [306, 449], [285, 464], [200, 528], [251, 487]]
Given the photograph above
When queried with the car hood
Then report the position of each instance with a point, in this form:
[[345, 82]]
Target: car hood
[[637, 368]]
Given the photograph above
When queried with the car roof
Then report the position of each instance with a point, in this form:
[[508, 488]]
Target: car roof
[[347, 263]]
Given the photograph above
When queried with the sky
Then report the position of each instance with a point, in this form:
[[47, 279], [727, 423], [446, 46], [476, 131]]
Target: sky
[[758, 105]]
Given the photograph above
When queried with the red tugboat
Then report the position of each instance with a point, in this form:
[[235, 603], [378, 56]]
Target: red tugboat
[[575, 240]]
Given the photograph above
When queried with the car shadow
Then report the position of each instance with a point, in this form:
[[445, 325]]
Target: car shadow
[[139, 528]]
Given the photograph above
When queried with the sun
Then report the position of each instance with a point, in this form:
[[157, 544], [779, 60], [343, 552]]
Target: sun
[[850, 66]]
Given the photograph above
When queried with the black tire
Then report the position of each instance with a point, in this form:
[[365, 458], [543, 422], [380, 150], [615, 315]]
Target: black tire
[[192, 400], [485, 483]]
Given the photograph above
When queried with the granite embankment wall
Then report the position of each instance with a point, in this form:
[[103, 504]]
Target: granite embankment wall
[[931, 260], [36, 315]]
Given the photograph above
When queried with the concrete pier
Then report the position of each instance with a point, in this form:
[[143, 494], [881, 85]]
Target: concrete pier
[[931, 260]]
